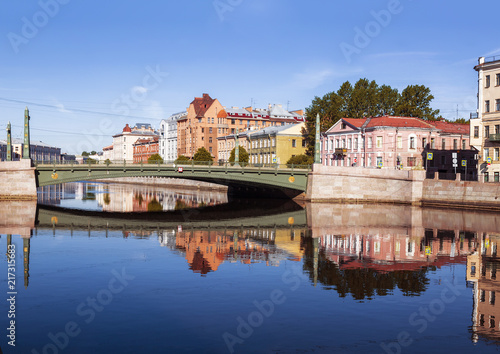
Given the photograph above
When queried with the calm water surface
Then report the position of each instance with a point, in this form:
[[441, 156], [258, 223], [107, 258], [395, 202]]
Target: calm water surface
[[250, 277]]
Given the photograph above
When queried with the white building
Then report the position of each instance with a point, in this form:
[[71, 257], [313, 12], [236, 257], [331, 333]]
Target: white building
[[123, 143], [485, 129], [168, 136]]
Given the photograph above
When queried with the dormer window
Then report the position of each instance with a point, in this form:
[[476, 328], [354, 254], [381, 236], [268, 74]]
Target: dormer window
[[343, 125]]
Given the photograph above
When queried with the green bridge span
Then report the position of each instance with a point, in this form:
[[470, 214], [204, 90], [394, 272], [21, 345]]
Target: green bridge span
[[241, 180]]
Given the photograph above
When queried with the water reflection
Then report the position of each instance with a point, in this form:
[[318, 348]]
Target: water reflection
[[116, 197], [482, 266], [358, 252]]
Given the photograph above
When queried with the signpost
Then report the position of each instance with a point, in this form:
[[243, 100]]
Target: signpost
[[464, 164], [430, 156]]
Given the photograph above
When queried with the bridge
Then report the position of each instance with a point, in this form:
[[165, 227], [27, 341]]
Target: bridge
[[242, 180]]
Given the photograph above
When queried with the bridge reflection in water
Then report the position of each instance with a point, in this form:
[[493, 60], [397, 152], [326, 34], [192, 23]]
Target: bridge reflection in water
[[363, 251]]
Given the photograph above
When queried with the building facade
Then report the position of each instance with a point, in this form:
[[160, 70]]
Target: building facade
[[485, 127], [168, 136], [39, 151], [144, 148], [388, 141], [200, 126], [123, 148]]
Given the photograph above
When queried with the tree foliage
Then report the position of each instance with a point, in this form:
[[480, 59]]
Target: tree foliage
[[366, 99], [182, 158], [202, 154], [243, 155], [155, 158], [300, 160]]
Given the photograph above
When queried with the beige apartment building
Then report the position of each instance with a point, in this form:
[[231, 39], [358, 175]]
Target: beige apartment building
[[200, 126], [485, 128]]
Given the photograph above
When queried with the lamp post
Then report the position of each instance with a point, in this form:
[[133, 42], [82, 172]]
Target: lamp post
[[26, 147], [236, 149], [9, 143]]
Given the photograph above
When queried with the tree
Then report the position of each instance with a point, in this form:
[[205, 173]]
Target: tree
[[181, 159], [387, 100], [202, 155], [155, 158], [300, 160], [415, 102], [93, 152], [92, 161], [243, 155], [364, 99], [85, 153], [155, 205]]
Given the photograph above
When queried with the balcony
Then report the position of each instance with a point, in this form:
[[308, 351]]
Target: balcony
[[494, 138]]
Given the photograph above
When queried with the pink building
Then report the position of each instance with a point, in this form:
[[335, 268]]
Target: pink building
[[387, 142]]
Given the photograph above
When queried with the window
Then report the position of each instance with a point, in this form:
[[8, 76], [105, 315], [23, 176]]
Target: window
[[343, 143], [212, 120], [487, 131], [355, 143], [487, 80], [336, 143], [210, 149], [498, 80], [349, 143], [411, 161], [210, 139], [497, 105], [379, 142], [497, 129], [379, 161], [294, 143], [464, 144], [443, 144], [370, 142], [303, 143], [486, 177], [369, 161], [476, 132], [455, 144], [487, 106], [210, 130], [400, 142], [412, 142], [495, 154], [497, 177], [343, 126], [199, 120], [486, 153], [424, 143], [233, 121]]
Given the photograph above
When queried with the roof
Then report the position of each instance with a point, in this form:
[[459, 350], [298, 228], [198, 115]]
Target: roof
[[202, 104], [33, 143], [452, 128], [397, 122], [145, 141], [355, 122]]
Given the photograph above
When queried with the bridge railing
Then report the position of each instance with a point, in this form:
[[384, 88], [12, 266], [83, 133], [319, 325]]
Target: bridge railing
[[173, 164]]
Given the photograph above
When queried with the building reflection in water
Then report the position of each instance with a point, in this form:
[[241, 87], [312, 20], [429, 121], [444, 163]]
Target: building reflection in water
[[206, 250], [115, 197], [482, 268]]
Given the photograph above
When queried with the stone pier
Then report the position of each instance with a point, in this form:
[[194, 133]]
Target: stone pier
[[17, 180]]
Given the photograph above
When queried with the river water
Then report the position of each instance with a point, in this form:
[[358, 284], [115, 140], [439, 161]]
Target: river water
[[109, 268]]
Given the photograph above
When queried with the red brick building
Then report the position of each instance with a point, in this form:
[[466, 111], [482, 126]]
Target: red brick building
[[144, 148]]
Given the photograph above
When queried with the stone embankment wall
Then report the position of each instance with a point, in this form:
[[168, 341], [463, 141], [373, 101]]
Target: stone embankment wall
[[17, 180], [166, 182], [363, 185]]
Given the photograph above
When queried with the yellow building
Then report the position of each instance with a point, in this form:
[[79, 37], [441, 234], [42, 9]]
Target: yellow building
[[276, 144]]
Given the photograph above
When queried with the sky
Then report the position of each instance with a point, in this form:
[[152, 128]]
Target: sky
[[86, 68]]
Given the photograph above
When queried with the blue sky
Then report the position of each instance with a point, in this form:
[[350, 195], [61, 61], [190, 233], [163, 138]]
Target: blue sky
[[86, 68]]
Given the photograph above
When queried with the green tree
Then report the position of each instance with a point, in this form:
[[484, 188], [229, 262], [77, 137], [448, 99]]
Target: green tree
[[364, 99], [91, 161], [107, 162], [329, 109], [85, 153], [202, 155], [387, 100], [300, 160], [93, 152], [155, 158], [243, 155], [415, 102], [182, 158]]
